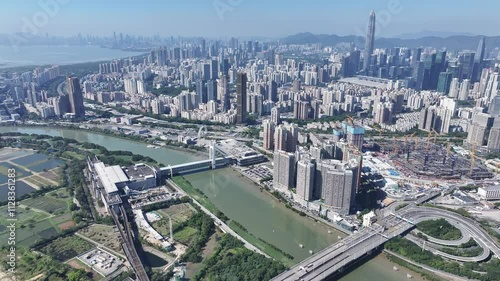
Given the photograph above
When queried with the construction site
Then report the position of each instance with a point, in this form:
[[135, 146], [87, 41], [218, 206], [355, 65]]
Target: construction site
[[428, 158]]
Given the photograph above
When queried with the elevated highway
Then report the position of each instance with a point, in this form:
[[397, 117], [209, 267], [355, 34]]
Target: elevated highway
[[336, 257], [464, 224]]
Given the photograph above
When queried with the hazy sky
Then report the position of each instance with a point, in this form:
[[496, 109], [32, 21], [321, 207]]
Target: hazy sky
[[248, 17]]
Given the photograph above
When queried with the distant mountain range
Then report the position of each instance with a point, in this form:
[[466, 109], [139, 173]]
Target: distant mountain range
[[456, 42], [429, 33]]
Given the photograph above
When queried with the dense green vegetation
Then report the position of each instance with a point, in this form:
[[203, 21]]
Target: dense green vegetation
[[169, 91], [51, 86], [474, 252], [30, 264], [205, 226], [252, 132], [165, 204], [427, 275], [440, 229], [412, 251], [231, 261]]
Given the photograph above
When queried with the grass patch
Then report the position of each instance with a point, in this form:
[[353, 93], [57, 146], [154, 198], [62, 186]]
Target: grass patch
[[47, 203], [185, 235], [440, 229], [23, 216], [179, 214], [73, 155]]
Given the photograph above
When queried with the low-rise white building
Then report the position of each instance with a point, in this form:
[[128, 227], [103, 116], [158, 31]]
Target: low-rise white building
[[490, 192], [369, 219]]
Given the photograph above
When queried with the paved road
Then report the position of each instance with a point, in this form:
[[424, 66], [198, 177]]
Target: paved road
[[465, 234], [481, 257], [465, 224], [325, 263]]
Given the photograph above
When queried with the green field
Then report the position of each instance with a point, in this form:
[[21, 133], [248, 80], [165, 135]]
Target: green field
[[179, 214], [72, 154], [185, 235], [47, 203], [34, 220], [23, 216], [26, 235], [65, 248]]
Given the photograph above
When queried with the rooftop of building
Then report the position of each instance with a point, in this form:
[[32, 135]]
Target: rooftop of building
[[139, 171], [110, 176], [492, 188]]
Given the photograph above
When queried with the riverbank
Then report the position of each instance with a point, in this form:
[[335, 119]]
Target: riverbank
[[104, 132], [292, 206], [236, 228]]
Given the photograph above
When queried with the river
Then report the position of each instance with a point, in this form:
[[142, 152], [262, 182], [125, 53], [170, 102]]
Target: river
[[14, 56], [242, 201]]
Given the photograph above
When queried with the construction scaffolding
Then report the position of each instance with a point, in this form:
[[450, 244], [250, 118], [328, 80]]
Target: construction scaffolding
[[423, 157]]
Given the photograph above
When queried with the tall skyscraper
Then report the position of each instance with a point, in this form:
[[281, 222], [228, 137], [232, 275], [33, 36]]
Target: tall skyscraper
[[223, 93], [464, 90], [444, 82], [306, 170], [479, 60], [292, 138], [355, 135], [275, 115], [214, 69], [479, 57], [241, 98], [75, 97], [494, 137], [280, 138], [283, 170], [370, 40], [268, 134]]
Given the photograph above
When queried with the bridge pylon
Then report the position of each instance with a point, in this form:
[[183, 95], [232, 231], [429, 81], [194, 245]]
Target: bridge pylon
[[212, 154]]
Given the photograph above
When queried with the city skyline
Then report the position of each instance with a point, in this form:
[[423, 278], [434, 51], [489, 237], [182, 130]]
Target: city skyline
[[223, 18]]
